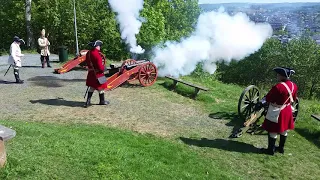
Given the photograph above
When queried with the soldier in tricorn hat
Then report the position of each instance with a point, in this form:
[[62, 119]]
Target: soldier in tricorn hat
[[95, 71], [280, 98], [15, 57]]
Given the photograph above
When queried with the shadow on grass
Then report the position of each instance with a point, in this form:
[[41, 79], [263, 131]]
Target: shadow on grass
[[313, 137], [237, 123], [227, 145], [131, 85], [58, 102], [169, 86], [234, 120], [51, 81]]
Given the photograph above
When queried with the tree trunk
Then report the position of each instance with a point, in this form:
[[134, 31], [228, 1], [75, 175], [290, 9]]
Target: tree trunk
[[30, 40]]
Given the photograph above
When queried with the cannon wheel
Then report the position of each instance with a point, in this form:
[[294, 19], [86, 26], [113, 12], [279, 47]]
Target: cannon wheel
[[130, 62], [248, 99], [295, 111], [148, 74]]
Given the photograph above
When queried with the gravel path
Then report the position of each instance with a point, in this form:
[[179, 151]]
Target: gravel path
[[58, 98]]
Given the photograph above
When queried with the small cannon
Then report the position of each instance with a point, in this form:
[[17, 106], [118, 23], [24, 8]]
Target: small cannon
[[130, 70], [78, 60], [251, 107]]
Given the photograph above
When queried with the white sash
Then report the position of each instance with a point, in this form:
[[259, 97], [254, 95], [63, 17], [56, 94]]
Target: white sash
[[274, 109]]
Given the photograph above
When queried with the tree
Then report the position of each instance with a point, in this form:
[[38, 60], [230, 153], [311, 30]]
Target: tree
[[29, 40]]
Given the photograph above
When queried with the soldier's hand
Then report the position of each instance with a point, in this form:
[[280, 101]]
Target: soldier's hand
[[258, 106]]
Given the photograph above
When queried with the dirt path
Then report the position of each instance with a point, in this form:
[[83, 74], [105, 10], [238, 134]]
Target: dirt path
[[52, 97]]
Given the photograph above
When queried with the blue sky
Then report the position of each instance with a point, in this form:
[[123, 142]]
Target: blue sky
[[254, 1]]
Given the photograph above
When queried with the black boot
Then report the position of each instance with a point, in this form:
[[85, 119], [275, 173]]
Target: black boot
[[16, 75], [283, 139], [88, 102], [48, 63], [102, 101], [271, 146], [42, 61]]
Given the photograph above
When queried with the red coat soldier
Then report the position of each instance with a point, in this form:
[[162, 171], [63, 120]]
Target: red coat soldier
[[95, 70], [280, 95]]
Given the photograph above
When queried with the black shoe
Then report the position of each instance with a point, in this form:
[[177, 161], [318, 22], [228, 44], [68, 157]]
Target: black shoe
[[16, 75], [102, 101], [280, 149], [271, 146], [48, 64], [88, 102]]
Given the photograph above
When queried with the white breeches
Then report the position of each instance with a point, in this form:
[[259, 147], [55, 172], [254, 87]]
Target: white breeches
[[275, 135], [91, 89], [15, 66]]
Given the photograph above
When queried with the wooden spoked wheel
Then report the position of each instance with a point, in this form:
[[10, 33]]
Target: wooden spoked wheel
[[247, 102], [295, 109], [129, 62], [148, 74]]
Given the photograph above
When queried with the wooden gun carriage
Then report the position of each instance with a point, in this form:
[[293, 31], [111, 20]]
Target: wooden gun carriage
[[131, 70], [251, 109]]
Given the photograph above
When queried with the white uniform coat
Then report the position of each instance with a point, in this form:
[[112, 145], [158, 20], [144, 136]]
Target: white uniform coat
[[15, 55]]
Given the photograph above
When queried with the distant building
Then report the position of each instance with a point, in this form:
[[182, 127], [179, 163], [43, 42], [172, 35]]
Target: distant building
[[277, 26]]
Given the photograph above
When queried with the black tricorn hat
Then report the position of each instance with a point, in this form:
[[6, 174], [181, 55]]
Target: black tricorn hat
[[95, 43], [16, 39], [284, 71], [22, 41]]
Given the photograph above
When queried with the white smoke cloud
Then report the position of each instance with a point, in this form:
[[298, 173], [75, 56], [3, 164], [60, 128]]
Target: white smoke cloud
[[128, 17], [218, 36]]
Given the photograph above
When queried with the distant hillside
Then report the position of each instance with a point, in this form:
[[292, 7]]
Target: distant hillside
[[230, 6]]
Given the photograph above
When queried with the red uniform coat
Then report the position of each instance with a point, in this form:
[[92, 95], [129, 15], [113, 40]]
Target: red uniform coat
[[279, 94], [93, 75]]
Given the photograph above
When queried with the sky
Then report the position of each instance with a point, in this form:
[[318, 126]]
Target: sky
[[253, 1]]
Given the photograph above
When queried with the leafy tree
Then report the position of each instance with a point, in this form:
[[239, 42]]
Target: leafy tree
[[299, 54]]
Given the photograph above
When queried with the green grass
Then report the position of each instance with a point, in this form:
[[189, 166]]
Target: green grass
[[301, 159], [49, 151]]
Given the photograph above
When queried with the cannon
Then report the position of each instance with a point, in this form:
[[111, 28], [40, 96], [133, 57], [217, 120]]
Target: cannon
[[252, 107], [74, 62], [130, 70]]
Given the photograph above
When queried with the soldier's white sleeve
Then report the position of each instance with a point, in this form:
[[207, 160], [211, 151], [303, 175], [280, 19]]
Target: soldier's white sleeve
[[13, 52]]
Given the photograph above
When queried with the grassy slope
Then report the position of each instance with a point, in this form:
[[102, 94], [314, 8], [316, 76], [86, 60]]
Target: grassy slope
[[302, 158], [119, 155], [47, 151]]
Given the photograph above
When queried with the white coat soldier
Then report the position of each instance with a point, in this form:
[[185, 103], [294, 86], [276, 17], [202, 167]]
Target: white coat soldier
[[44, 44], [15, 57]]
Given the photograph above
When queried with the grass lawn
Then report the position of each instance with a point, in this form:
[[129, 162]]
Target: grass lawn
[[76, 151], [302, 156], [49, 151]]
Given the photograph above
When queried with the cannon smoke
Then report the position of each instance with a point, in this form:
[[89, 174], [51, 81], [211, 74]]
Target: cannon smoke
[[218, 36], [128, 17]]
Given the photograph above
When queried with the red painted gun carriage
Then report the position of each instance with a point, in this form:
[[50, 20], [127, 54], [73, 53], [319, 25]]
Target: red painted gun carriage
[[130, 70]]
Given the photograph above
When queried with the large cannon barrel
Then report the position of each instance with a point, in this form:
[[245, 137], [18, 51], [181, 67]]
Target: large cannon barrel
[[137, 63]]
